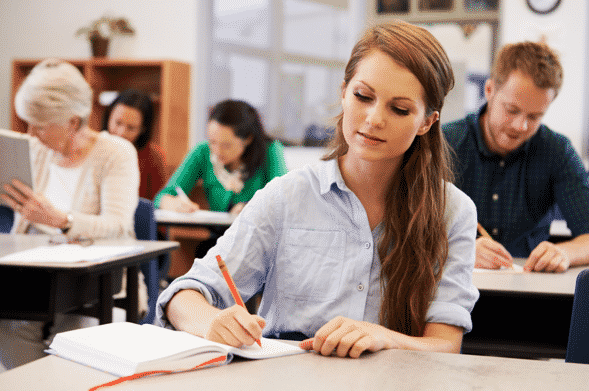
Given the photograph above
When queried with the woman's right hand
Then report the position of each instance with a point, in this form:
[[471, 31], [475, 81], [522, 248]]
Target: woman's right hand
[[236, 327], [178, 204]]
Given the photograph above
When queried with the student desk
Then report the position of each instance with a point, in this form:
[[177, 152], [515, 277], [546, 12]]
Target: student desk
[[524, 315], [385, 370], [189, 229], [39, 291]]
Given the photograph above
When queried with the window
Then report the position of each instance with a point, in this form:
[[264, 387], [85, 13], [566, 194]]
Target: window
[[285, 57]]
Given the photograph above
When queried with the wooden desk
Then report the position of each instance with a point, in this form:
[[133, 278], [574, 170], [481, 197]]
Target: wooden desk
[[189, 229], [386, 370], [63, 287], [525, 315], [198, 218]]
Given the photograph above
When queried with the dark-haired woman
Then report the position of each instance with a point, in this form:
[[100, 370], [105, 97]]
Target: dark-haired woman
[[235, 161], [131, 116]]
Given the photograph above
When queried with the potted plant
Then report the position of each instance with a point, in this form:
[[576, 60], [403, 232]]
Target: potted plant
[[100, 32]]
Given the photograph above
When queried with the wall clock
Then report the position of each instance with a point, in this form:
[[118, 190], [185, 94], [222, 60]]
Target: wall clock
[[543, 6]]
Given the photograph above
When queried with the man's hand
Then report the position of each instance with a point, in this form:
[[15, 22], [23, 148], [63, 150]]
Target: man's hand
[[547, 257], [491, 254]]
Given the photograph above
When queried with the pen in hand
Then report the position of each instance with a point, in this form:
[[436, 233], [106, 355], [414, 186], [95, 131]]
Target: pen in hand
[[483, 231], [232, 287], [182, 195], [485, 234]]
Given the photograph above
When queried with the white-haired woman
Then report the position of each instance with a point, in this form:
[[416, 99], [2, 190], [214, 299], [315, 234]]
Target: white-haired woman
[[86, 182]]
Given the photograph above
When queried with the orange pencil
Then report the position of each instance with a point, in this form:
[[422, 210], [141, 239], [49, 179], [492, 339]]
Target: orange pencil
[[232, 287], [483, 231]]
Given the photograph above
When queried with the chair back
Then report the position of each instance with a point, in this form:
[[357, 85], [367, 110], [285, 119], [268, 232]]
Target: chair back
[[145, 225], [578, 342], [146, 229], [6, 219]]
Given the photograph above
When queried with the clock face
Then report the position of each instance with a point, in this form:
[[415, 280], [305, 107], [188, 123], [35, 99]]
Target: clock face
[[543, 6]]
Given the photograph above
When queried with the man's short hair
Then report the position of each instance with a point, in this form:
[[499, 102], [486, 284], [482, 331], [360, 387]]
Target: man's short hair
[[536, 60]]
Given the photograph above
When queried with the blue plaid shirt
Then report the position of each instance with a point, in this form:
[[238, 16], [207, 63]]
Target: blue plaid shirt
[[516, 195]]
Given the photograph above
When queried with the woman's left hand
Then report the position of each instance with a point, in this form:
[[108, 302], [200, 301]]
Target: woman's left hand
[[348, 337], [32, 206]]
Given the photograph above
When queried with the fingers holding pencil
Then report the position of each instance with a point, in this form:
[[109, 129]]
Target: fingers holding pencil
[[237, 297], [491, 254], [236, 327]]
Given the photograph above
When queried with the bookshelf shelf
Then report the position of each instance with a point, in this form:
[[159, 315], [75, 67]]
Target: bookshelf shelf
[[166, 81]]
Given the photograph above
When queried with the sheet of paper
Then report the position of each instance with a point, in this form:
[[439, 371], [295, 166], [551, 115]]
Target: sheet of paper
[[516, 269], [65, 253]]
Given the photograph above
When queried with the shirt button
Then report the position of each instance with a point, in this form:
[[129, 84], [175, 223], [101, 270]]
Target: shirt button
[[502, 163], [495, 231], [495, 197], [360, 287], [367, 245]]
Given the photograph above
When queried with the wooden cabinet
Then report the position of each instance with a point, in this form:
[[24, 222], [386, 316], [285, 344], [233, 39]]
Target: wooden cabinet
[[166, 81]]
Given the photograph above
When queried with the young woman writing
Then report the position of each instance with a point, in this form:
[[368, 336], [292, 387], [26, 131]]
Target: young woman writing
[[370, 249]]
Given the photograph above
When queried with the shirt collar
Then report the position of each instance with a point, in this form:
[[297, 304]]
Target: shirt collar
[[482, 146], [330, 175]]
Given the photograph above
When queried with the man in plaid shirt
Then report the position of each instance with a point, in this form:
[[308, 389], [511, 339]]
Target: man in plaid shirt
[[517, 170]]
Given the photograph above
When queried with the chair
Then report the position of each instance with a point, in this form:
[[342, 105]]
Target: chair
[[317, 136], [578, 342], [146, 229], [6, 219]]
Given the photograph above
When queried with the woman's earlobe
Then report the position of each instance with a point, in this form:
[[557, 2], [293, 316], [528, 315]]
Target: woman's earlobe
[[429, 121]]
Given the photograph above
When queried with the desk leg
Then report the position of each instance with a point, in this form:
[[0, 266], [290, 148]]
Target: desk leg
[[106, 300], [132, 302]]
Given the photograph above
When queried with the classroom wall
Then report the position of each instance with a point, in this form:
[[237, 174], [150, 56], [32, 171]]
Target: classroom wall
[[565, 30], [175, 29], [32, 28]]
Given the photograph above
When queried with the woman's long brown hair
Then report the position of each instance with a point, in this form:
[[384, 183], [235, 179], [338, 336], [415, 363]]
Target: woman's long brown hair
[[414, 246]]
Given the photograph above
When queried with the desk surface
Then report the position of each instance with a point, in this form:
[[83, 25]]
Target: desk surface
[[542, 283], [385, 370], [10, 243], [63, 287], [200, 217]]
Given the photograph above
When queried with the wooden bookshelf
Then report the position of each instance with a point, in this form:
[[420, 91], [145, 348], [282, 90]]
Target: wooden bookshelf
[[166, 81]]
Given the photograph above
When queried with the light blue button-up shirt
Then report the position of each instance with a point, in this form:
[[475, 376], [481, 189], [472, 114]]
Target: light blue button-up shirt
[[305, 240]]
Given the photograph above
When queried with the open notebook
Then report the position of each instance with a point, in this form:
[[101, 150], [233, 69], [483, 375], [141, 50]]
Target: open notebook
[[125, 349]]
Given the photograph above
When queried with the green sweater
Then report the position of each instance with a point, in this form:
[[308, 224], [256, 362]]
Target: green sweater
[[197, 165]]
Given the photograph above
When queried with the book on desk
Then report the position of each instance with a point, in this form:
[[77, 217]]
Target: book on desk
[[125, 349]]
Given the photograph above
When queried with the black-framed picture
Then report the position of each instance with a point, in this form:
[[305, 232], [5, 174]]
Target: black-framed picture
[[436, 5], [392, 6], [481, 5]]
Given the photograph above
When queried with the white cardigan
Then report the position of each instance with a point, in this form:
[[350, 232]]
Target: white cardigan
[[107, 193]]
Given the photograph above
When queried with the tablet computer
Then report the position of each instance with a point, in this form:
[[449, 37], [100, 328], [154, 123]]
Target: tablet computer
[[16, 158]]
